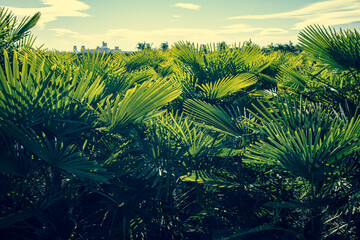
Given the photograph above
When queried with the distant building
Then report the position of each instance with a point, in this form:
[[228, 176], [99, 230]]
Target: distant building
[[103, 49]]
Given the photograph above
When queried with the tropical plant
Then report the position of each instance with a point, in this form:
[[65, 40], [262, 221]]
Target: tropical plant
[[164, 46], [189, 142], [14, 35], [334, 79], [312, 144]]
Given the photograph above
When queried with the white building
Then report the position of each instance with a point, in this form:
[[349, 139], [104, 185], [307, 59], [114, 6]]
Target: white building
[[103, 49]]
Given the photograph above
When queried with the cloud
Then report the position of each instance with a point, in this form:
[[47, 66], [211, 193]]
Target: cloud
[[244, 28], [64, 32], [273, 31], [187, 6], [333, 12], [238, 28], [53, 10]]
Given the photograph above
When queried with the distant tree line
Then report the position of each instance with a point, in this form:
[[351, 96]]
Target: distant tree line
[[284, 47]]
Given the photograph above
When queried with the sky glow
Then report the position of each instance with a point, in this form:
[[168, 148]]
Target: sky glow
[[65, 23]]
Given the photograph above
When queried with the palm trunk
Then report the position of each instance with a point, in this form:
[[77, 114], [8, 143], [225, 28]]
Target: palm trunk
[[313, 228]]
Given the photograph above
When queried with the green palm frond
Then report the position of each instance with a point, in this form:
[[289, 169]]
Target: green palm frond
[[55, 152], [19, 216], [188, 84], [13, 34], [32, 102], [292, 79], [27, 42], [85, 88], [27, 94], [208, 63], [340, 50], [304, 139], [24, 26], [192, 58], [213, 178], [226, 86], [310, 154], [197, 141], [58, 61], [97, 63], [293, 114], [6, 23], [118, 81], [21, 90], [171, 145], [137, 103], [143, 59], [162, 157], [247, 58], [15, 160], [216, 118]]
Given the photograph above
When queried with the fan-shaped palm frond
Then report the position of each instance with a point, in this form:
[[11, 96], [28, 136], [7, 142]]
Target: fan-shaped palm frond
[[55, 153], [309, 153], [209, 63], [216, 118], [310, 145], [162, 158], [15, 160], [293, 114], [338, 49], [188, 84], [14, 35], [31, 99], [226, 86], [307, 140], [147, 58], [95, 62], [197, 141], [22, 29], [138, 103], [30, 93]]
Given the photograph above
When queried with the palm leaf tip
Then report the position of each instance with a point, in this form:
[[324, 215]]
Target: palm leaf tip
[[216, 118]]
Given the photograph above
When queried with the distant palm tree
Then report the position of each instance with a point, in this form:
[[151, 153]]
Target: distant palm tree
[[143, 46], [164, 46]]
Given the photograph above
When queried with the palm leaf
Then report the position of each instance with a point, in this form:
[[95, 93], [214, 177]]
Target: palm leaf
[[226, 86], [56, 153], [6, 23], [305, 140], [137, 103], [340, 50], [216, 118], [197, 141], [24, 27]]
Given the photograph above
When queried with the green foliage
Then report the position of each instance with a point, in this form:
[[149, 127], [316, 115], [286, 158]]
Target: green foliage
[[338, 49], [137, 103], [226, 86], [188, 142], [216, 118], [14, 35]]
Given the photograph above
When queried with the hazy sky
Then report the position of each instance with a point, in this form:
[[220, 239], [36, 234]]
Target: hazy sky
[[124, 23]]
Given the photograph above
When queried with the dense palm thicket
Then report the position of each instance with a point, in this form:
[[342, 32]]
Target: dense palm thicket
[[192, 142]]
